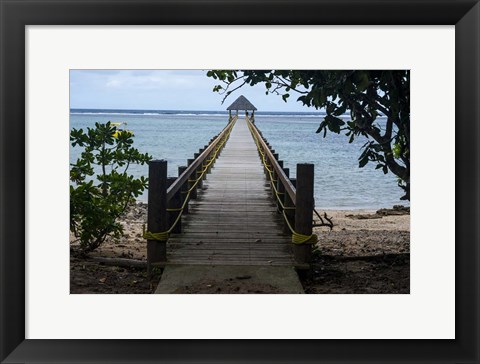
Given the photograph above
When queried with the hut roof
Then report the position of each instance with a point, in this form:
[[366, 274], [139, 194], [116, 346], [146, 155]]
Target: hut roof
[[241, 104]]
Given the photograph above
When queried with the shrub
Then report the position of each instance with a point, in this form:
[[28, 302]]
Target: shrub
[[101, 189]]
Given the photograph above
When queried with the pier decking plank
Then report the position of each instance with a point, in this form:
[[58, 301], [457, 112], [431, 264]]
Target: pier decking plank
[[234, 220]]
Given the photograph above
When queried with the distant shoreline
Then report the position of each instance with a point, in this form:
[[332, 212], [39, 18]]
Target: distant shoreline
[[88, 111]]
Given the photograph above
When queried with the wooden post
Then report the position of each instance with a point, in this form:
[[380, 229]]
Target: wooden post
[[193, 194], [174, 203], [209, 169], [304, 211], [280, 189], [198, 171], [268, 164], [157, 211], [204, 163], [184, 189], [287, 202]]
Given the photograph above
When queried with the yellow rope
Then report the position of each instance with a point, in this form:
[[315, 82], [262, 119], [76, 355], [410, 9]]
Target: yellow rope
[[298, 238], [163, 236]]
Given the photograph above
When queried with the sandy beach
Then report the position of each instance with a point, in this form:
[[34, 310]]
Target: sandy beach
[[364, 233], [361, 242]]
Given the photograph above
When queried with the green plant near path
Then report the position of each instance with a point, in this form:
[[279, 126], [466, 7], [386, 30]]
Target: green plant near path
[[101, 188]]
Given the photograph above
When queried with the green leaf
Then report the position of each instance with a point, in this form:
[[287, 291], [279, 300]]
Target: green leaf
[[334, 123], [362, 162], [361, 80]]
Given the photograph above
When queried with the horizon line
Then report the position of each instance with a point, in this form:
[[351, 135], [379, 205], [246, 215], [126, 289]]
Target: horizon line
[[226, 111]]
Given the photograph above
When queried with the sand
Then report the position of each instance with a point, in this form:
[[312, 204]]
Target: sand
[[363, 237]]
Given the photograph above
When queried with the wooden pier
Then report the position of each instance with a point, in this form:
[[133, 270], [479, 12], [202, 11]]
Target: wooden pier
[[234, 220], [232, 205]]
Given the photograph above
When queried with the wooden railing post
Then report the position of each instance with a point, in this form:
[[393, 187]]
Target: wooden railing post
[[269, 165], [183, 189], [287, 202], [193, 193], [157, 211], [304, 210], [205, 163], [174, 203], [199, 170], [209, 169], [280, 189]]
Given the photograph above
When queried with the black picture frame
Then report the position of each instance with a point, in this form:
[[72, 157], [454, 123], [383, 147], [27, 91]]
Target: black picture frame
[[16, 14]]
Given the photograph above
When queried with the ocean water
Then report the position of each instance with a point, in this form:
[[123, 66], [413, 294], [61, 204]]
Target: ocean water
[[176, 135]]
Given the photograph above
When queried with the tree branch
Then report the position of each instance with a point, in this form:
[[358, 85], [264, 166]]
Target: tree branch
[[229, 92]]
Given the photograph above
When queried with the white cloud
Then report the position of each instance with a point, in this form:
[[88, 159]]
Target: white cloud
[[161, 89], [114, 83]]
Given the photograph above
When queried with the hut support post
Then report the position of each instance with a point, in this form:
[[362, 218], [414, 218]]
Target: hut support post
[[157, 211], [304, 211]]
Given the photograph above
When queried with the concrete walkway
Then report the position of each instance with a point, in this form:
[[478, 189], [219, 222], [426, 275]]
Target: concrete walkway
[[229, 279]]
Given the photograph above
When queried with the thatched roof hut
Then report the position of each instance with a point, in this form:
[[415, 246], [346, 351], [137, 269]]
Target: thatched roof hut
[[241, 104]]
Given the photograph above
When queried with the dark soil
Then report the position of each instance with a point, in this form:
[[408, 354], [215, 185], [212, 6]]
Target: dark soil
[[87, 276], [389, 273], [379, 274]]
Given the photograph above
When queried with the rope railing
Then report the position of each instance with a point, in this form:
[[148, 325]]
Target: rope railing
[[165, 234], [181, 190], [275, 166], [185, 176], [297, 238]]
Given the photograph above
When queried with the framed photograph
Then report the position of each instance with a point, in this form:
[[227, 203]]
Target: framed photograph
[[54, 57]]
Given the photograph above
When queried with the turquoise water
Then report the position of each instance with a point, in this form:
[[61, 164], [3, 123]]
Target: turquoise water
[[176, 135]]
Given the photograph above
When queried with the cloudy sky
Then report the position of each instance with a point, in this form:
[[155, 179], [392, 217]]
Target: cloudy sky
[[162, 90]]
